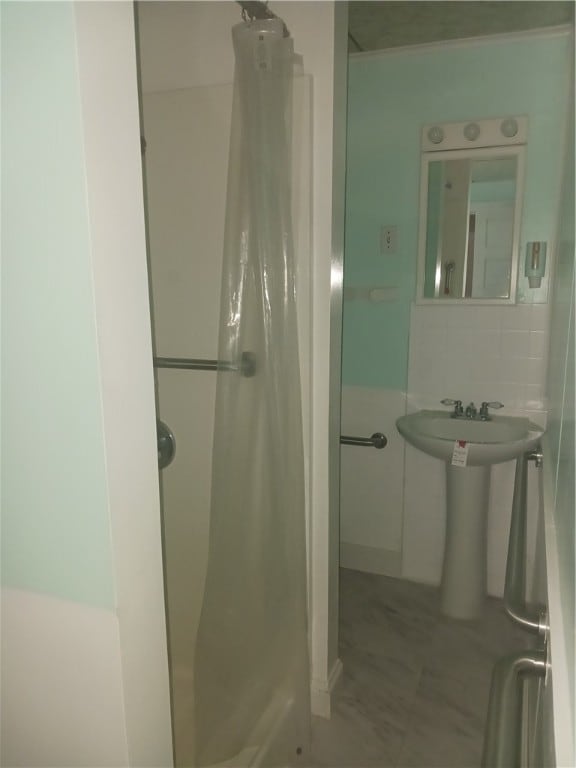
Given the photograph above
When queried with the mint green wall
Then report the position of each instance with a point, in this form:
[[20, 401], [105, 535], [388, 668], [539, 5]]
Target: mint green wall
[[390, 97], [55, 527]]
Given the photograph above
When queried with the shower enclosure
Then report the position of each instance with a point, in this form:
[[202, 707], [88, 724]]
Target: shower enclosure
[[227, 172]]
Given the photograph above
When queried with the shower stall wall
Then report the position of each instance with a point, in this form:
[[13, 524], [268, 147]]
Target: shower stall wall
[[187, 132]]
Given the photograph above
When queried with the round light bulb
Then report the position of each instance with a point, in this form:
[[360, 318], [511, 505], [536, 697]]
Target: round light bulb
[[472, 131], [435, 134], [509, 127]]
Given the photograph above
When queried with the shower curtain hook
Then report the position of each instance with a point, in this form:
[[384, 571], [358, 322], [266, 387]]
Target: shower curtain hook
[[255, 9], [258, 9]]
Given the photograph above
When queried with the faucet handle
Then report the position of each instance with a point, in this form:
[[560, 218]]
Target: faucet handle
[[484, 408], [458, 410]]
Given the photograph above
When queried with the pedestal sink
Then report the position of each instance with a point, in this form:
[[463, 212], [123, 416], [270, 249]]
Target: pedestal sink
[[502, 438]]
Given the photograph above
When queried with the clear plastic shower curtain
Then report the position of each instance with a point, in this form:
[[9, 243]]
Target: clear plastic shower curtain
[[252, 639]]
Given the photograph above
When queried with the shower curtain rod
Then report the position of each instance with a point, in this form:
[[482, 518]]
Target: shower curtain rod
[[255, 9]]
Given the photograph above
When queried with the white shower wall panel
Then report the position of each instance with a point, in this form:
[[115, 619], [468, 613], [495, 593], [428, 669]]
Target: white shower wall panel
[[187, 136]]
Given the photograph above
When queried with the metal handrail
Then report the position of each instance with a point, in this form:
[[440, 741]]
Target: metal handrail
[[246, 366], [193, 364], [531, 617], [503, 733], [377, 440]]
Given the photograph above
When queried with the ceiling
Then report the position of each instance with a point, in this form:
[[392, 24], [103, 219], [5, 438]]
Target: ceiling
[[377, 25]]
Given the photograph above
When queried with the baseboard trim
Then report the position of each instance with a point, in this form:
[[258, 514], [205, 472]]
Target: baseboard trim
[[360, 557], [321, 691]]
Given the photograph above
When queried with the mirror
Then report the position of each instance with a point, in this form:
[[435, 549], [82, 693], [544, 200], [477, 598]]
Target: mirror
[[469, 224]]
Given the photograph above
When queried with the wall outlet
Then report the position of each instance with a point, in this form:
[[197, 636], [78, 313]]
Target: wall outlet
[[388, 238]]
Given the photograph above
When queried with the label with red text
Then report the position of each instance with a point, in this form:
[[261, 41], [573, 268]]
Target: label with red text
[[460, 453]]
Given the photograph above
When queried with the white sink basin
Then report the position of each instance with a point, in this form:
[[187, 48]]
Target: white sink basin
[[489, 442]]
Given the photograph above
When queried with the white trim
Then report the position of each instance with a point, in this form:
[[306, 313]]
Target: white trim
[[111, 129], [322, 691], [542, 33]]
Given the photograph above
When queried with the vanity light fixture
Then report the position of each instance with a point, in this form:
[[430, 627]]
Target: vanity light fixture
[[435, 134], [509, 127], [504, 131], [472, 131]]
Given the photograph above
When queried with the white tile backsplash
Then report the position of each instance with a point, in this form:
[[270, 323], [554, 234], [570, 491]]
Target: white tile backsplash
[[538, 344], [515, 343], [540, 318], [479, 353], [517, 318]]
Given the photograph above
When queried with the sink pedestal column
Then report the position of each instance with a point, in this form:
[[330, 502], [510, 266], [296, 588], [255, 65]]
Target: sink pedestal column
[[464, 572]]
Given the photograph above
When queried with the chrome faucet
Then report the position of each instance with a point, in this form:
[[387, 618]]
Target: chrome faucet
[[483, 413], [471, 411]]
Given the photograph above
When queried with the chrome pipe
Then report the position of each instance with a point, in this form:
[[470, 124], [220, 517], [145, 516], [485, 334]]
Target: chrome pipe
[[503, 732], [531, 618], [246, 367], [377, 440], [192, 364]]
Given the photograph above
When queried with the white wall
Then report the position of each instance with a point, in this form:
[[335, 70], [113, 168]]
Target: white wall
[[372, 482], [85, 674]]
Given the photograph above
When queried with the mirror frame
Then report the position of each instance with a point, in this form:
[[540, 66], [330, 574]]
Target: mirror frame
[[473, 154]]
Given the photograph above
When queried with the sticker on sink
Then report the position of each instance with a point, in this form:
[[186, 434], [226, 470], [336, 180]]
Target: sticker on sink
[[460, 453]]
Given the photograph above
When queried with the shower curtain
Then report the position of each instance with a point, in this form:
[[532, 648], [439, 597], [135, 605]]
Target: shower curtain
[[252, 639]]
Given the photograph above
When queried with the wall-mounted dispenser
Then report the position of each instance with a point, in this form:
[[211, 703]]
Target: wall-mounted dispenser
[[535, 263]]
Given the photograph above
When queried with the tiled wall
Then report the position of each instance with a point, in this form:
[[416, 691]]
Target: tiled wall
[[478, 353]]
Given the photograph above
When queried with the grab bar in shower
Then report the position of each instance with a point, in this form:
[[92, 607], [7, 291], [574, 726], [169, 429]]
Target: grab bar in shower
[[377, 440], [246, 366], [531, 617], [191, 364], [503, 733]]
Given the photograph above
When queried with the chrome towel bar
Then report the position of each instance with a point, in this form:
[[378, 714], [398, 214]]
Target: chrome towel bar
[[377, 440]]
